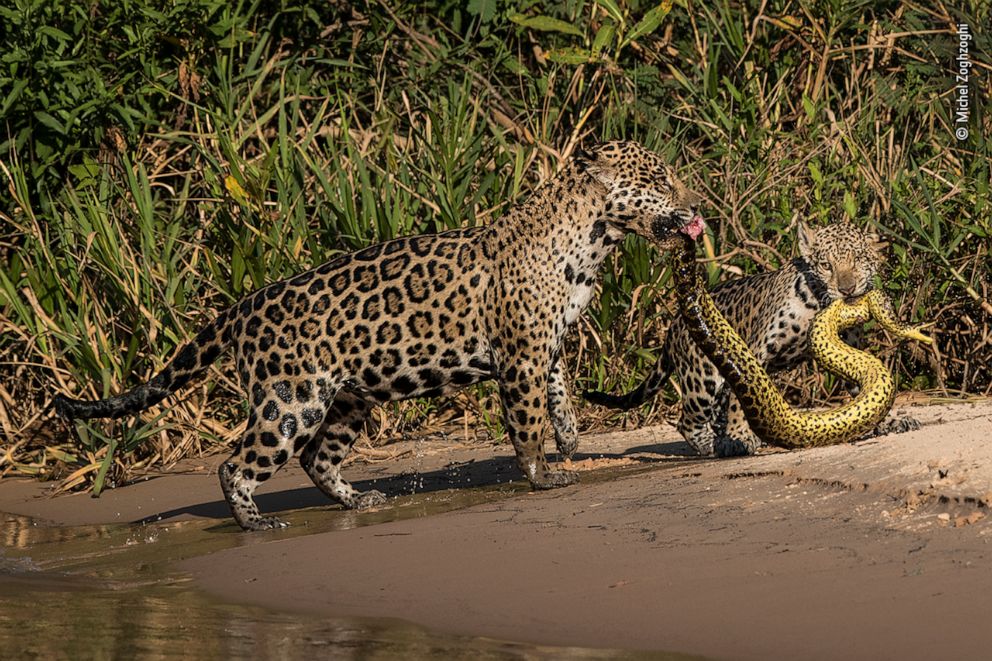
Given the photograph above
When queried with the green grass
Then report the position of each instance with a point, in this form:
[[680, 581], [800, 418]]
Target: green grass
[[160, 163]]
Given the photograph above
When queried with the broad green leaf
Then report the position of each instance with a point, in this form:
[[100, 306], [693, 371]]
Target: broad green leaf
[[49, 121], [612, 9], [849, 206], [604, 37], [85, 172], [54, 32], [734, 92], [649, 23], [545, 24], [15, 92], [570, 55], [484, 9], [514, 65], [24, 316]]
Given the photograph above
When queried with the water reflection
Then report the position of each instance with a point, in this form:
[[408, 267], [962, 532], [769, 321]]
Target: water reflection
[[120, 550], [61, 621], [108, 592], [58, 617]]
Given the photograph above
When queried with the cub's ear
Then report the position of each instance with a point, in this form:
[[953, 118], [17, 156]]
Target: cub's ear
[[877, 242], [806, 236], [592, 162], [584, 156]]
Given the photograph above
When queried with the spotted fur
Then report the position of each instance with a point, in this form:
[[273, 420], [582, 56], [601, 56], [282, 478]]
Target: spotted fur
[[420, 317], [770, 416], [773, 312]]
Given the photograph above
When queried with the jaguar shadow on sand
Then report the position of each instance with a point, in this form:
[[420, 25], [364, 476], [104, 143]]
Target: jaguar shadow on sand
[[419, 317]]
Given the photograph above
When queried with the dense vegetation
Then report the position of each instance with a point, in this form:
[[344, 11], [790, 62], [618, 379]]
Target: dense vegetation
[[162, 157]]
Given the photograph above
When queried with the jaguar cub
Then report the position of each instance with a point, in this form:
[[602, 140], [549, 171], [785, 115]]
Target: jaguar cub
[[773, 312], [419, 317]]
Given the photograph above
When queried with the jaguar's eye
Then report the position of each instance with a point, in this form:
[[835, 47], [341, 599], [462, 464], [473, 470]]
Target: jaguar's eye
[[827, 267]]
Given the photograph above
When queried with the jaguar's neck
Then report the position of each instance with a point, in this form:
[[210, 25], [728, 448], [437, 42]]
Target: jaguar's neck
[[814, 293], [567, 204]]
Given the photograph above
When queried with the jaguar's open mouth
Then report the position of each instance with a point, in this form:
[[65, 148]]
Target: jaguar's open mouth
[[667, 229], [675, 234], [694, 227]]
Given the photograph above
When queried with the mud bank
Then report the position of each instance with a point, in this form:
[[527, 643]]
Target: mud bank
[[874, 550]]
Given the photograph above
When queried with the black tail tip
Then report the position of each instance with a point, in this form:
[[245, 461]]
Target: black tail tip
[[621, 402], [65, 408], [602, 399]]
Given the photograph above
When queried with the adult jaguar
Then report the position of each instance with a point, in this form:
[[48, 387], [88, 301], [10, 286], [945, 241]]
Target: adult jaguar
[[423, 316], [773, 313]]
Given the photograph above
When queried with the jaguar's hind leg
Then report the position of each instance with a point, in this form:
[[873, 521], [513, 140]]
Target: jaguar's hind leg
[[261, 453], [284, 418], [239, 483], [561, 412], [323, 455]]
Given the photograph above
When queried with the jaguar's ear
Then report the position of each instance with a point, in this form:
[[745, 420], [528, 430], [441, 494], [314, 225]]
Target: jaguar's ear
[[877, 242], [806, 236], [592, 162], [584, 156]]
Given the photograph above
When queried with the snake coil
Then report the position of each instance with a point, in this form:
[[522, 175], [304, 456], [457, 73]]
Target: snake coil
[[769, 415]]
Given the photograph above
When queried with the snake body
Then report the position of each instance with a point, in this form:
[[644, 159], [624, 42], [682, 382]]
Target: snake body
[[769, 415]]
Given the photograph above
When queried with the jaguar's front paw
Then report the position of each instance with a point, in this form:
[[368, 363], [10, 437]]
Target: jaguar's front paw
[[554, 479], [368, 499], [265, 523]]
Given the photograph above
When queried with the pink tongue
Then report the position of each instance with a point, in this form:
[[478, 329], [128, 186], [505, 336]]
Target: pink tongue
[[694, 227]]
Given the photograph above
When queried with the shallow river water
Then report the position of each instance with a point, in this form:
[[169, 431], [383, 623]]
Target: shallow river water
[[113, 592]]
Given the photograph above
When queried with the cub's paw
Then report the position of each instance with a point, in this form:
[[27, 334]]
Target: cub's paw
[[704, 448], [368, 499], [728, 446], [895, 424], [555, 479]]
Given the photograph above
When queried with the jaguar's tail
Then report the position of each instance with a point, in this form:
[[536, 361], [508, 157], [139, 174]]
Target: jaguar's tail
[[191, 361], [649, 388]]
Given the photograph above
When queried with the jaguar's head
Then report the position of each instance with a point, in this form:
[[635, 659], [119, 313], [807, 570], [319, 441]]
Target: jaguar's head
[[845, 258], [643, 195]]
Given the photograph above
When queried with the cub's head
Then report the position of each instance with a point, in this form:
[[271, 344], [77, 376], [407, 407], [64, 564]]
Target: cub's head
[[844, 257], [643, 195]]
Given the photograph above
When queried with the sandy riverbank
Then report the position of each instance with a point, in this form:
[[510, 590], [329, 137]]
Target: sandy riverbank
[[878, 549]]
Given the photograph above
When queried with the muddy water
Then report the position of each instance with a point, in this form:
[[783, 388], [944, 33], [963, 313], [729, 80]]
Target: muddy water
[[112, 592]]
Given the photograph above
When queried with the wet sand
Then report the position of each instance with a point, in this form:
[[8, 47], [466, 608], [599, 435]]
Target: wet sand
[[874, 550]]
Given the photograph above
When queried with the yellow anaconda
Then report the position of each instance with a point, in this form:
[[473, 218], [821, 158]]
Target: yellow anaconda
[[769, 415]]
